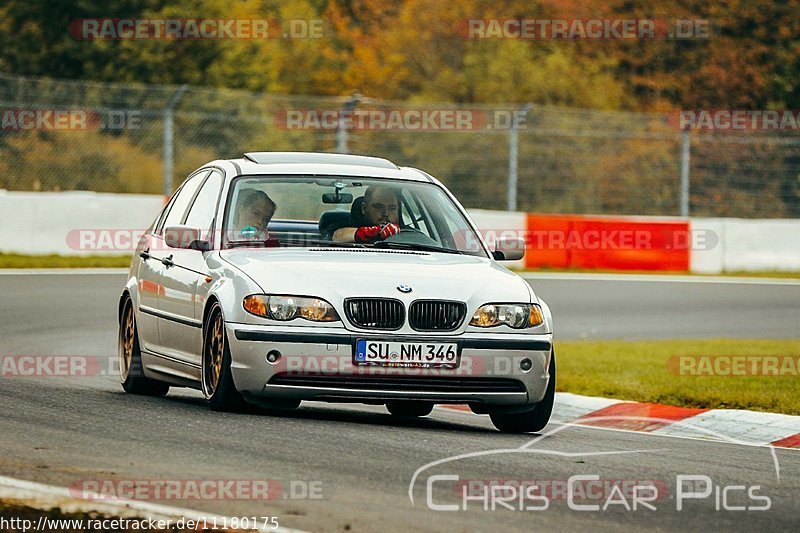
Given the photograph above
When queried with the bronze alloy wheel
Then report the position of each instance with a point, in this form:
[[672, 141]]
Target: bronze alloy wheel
[[217, 380], [127, 334], [215, 353], [131, 370]]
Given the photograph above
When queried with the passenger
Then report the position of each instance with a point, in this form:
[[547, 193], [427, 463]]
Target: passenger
[[253, 212], [381, 217]]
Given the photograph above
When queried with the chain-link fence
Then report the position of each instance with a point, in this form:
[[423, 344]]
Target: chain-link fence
[[69, 135]]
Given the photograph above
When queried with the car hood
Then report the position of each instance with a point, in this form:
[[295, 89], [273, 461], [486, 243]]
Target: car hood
[[335, 274]]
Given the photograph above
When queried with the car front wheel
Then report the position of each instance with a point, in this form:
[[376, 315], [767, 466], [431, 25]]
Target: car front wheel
[[217, 381], [535, 419]]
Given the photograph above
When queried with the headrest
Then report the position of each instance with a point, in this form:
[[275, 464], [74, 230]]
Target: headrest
[[356, 216], [330, 221]]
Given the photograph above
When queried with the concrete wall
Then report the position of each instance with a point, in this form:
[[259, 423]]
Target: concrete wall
[[746, 244], [51, 222], [80, 223]]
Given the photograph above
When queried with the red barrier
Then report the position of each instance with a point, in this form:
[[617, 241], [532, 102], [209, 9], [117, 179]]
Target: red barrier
[[595, 243]]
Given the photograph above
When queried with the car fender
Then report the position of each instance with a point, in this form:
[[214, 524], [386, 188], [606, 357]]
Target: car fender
[[131, 289], [548, 315], [229, 286]]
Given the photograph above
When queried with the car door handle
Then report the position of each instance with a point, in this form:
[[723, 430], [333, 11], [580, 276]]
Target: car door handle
[[167, 261]]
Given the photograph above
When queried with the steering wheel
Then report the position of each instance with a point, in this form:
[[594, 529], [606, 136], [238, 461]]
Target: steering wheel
[[411, 236]]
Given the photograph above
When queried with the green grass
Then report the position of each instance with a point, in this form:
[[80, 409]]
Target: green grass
[[638, 371], [60, 261]]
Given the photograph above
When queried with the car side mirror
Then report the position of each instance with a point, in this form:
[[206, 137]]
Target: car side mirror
[[509, 248], [184, 237]]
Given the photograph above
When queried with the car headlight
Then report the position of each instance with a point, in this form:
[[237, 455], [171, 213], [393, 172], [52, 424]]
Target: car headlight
[[517, 316], [290, 307]]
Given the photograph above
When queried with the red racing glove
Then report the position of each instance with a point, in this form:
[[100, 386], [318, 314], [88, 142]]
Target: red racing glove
[[374, 233]]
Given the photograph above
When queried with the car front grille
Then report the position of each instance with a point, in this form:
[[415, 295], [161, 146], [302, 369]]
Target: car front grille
[[436, 315], [375, 313], [401, 383]]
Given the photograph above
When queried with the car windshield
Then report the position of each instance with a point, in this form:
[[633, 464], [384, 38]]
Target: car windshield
[[297, 211]]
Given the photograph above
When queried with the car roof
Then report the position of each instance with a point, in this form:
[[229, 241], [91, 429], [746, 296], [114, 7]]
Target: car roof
[[323, 164], [277, 158]]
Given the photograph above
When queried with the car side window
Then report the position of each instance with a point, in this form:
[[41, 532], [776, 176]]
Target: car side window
[[204, 208], [182, 200], [445, 218], [161, 214]]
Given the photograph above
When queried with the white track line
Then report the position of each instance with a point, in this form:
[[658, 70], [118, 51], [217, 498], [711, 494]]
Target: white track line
[[658, 278], [62, 271], [46, 497]]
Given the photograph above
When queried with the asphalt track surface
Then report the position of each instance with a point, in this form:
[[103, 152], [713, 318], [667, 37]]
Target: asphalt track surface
[[361, 460]]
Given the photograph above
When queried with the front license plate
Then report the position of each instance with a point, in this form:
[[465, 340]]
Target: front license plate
[[407, 354]]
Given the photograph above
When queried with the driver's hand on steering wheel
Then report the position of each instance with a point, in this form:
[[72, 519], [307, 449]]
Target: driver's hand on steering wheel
[[368, 234]]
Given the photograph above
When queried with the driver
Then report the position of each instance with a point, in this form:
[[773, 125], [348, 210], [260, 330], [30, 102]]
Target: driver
[[381, 213]]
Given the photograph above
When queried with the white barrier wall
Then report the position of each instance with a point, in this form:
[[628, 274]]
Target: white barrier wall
[[708, 258], [748, 244], [49, 223], [39, 223]]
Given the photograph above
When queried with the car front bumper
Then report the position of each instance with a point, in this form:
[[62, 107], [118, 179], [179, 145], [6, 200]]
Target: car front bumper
[[319, 364]]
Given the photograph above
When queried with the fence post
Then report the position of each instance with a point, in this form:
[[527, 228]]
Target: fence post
[[513, 157], [168, 138], [686, 142], [341, 130]]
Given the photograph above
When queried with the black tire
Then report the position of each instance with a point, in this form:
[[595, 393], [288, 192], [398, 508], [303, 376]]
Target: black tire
[[131, 371], [409, 408], [216, 377], [537, 418]]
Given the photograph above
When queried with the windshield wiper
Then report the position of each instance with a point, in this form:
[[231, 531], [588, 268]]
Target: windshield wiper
[[271, 243], [413, 246]]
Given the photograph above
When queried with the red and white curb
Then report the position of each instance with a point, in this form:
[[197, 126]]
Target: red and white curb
[[728, 425]]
